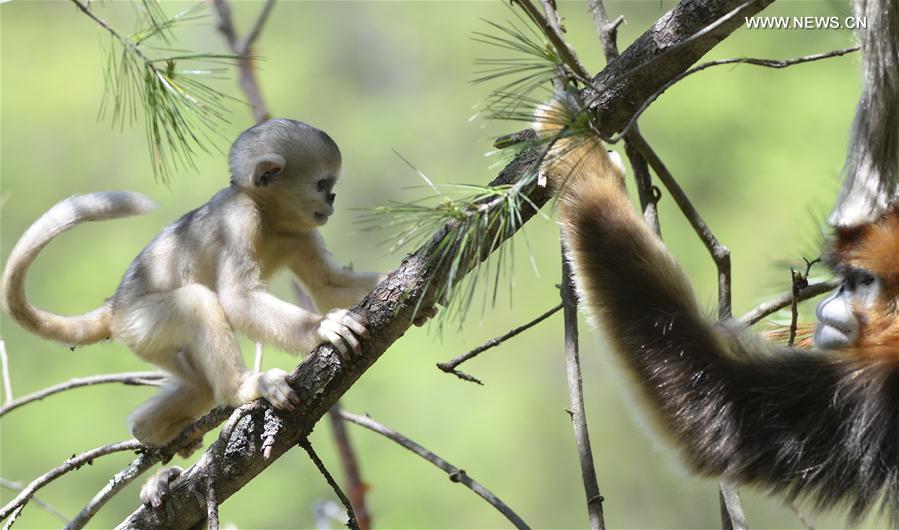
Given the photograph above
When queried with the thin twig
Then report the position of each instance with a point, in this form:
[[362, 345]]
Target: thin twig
[[776, 304], [15, 486], [116, 484], [126, 378], [732, 515], [70, 464], [576, 399], [720, 253], [356, 487], [7, 381], [455, 474], [147, 460], [565, 52], [257, 359], [250, 38], [767, 63], [241, 48], [450, 366], [607, 31], [803, 520], [351, 515], [572, 359]]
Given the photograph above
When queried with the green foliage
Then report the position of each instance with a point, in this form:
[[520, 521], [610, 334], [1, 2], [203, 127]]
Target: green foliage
[[181, 112]]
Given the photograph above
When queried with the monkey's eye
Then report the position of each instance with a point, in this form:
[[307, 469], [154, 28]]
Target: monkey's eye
[[867, 279], [321, 185]]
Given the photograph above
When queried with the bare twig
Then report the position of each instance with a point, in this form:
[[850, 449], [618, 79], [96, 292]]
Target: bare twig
[[145, 461], [125, 378], [732, 515], [116, 484], [241, 48], [7, 381], [607, 31], [455, 474], [767, 63], [782, 301], [450, 366], [351, 515], [70, 464], [258, 357], [720, 253], [356, 487], [803, 520], [15, 486], [576, 400]]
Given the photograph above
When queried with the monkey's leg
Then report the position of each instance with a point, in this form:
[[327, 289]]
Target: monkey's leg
[[160, 419], [213, 351], [186, 332]]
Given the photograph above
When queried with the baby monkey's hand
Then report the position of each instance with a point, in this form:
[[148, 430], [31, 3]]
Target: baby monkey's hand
[[338, 328]]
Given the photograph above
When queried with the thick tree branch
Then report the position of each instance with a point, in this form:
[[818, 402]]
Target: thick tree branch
[[322, 378]]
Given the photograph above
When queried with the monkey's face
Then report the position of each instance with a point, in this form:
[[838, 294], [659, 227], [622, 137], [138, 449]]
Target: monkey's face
[[308, 193], [842, 314]]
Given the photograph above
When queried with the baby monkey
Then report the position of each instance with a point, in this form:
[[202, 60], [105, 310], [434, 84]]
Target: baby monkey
[[204, 277]]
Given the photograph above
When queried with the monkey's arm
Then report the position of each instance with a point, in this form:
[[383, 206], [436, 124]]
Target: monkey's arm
[[265, 318], [330, 284], [797, 422]]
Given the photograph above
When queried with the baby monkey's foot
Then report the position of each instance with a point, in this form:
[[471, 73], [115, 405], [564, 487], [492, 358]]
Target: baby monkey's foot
[[273, 386], [157, 487], [338, 328]]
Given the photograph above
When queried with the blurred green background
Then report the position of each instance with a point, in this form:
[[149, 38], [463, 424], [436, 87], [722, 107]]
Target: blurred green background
[[758, 151]]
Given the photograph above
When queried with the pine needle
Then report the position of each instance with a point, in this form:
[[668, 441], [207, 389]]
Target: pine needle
[[146, 79]]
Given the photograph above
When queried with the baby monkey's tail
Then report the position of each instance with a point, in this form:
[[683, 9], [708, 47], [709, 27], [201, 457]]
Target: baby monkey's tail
[[72, 330]]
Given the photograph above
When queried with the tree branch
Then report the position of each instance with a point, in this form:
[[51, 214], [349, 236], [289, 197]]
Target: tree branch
[[321, 379], [455, 474], [241, 48], [70, 464], [126, 378], [782, 301], [351, 515], [450, 366]]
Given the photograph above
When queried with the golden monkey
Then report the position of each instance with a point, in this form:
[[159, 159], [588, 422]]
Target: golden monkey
[[204, 278], [821, 424]]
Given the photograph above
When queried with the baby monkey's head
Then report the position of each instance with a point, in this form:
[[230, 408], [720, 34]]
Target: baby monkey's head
[[291, 165]]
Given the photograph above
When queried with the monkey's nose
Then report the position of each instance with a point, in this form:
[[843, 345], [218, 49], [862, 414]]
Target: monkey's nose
[[331, 197]]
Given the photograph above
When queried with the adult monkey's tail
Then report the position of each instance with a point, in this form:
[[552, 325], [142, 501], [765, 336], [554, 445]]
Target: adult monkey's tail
[[72, 330]]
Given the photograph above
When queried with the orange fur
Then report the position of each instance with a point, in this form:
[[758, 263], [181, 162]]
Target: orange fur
[[874, 247]]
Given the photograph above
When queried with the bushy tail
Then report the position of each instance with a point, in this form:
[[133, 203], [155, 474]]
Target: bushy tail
[[73, 330]]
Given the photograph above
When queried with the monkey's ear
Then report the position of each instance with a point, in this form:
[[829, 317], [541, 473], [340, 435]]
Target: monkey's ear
[[266, 168]]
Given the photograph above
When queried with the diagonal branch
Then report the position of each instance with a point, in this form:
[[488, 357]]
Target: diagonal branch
[[321, 379], [455, 474]]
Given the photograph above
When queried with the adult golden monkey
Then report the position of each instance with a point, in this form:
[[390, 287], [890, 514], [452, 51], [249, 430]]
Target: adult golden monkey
[[203, 278], [818, 424]]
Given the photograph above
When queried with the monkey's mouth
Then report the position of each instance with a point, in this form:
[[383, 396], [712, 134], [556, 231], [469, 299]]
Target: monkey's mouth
[[320, 218]]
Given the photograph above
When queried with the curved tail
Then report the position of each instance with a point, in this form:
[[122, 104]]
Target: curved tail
[[73, 330]]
